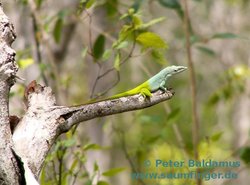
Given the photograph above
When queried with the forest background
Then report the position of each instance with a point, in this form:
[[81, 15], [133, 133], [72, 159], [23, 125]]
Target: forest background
[[83, 49]]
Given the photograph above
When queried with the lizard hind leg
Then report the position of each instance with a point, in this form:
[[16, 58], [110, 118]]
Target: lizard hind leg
[[145, 92]]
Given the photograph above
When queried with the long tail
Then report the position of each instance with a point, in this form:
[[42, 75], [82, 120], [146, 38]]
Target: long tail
[[124, 94]]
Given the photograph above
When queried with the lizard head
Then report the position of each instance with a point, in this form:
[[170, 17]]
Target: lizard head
[[176, 69], [172, 70]]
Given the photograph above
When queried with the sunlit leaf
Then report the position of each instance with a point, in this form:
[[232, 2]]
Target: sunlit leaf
[[121, 45], [90, 4], [68, 142], [24, 63], [74, 164], [137, 22], [102, 183], [216, 136], [107, 54], [99, 46], [113, 172], [152, 22], [150, 39], [84, 52], [117, 62], [92, 147], [57, 32]]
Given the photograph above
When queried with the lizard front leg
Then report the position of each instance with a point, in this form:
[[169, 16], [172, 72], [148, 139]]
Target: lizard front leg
[[162, 86]]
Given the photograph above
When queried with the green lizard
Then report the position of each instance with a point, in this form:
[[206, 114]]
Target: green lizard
[[155, 83]]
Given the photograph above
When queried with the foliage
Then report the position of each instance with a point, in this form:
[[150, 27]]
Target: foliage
[[108, 46]]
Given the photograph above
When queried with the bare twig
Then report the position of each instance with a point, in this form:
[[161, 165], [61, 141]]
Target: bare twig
[[124, 147], [112, 69], [195, 125], [37, 48]]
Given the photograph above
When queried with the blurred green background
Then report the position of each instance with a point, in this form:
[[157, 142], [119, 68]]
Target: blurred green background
[[97, 48]]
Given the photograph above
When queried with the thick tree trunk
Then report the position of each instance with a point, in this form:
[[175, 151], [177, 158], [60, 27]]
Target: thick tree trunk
[[9, 171]]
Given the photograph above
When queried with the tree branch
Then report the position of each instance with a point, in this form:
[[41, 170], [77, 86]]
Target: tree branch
[[44, 121]]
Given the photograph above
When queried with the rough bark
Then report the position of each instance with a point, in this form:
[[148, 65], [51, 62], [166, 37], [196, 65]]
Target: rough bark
[[9, 171]]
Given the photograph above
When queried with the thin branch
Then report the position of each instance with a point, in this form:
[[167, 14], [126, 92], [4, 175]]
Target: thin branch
[[60, 155], [37, 48], [76, 114], [195, 125], [95, 83], [112, 69], [112, 86], [124, 147], [90, 30], [124, 60]]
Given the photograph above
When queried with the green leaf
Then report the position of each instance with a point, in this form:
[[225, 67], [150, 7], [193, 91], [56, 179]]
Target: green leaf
[[214, 99], [215, 137], [121, 45], [137, 22], [89, 182], [137, 5], [96, 167], [58, 30], [150, 39], [38, 3], [173, 114], [99, 46], [206, 50], [111, 7], [84, 52], [152, 22], [173, 4], [245, 154], [158, 56], [43, 66], [68, 142], [90, 4], [91, 147], [113, 172], [107, 54], [24, 63], [73, 165], [117, 61], [102, 183], [225, 36], [43, 176]]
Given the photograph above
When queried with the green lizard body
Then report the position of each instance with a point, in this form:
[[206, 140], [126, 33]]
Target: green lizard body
[[157, 82]]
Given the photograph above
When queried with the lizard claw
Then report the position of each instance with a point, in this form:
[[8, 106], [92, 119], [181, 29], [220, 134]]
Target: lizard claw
[[169, 88]]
